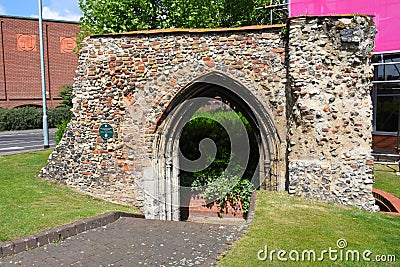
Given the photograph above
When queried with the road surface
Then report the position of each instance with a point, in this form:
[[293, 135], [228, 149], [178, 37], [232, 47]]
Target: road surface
[[21, 141]]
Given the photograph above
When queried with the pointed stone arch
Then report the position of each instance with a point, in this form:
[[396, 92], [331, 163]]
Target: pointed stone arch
[[165, 167]]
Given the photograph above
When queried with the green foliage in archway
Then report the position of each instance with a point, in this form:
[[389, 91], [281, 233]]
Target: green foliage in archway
[[218, 184]]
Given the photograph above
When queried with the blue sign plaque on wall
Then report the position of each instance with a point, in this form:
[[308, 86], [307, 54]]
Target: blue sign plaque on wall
[[106, 131]]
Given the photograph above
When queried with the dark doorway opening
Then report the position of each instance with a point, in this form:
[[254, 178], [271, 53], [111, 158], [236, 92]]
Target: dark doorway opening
[[207, 94], [205, 124]]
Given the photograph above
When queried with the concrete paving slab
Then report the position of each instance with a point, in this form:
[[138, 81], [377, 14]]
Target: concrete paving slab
[[135, 242]]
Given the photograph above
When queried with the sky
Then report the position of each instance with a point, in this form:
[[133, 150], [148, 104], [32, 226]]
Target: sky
[[52, 9]]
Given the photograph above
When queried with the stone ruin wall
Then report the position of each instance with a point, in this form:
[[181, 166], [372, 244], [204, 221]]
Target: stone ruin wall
[[129, 80], [330, 131], [315, 81]]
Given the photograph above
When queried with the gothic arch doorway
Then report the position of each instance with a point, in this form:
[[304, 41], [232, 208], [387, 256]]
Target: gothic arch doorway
[[167, 163]]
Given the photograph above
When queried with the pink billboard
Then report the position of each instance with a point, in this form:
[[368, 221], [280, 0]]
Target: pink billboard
[[386, 12]]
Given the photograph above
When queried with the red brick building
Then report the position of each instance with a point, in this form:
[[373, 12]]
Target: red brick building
[[20, 77]]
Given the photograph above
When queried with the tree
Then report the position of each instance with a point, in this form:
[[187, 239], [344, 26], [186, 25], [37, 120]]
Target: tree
[[65, 92], [192, 13], [114, 16], [240, 12]]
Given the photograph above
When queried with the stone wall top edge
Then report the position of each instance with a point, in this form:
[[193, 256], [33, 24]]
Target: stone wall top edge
[[331, 16], [186, 30]]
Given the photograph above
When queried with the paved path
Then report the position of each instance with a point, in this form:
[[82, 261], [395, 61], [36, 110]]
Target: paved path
[[19, 141], [134, 242]]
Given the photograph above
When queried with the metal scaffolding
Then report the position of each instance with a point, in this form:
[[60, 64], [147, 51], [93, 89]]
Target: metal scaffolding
[[277, 10]]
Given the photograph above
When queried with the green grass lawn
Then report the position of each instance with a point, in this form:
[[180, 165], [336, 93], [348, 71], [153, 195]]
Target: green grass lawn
[[284, 222], [387, 180], [29, 205]]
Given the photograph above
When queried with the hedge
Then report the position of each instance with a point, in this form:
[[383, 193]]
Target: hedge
[[24, 118]]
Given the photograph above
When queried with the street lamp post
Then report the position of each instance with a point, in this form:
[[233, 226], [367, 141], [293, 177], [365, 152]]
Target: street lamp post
[[45, 126]]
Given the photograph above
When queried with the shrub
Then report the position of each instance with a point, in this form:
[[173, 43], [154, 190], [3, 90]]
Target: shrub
[[4, 123], [65, 92], [61, 129], [55, 116], [205, 124], [24, 118], [226, 188], [28, 117]]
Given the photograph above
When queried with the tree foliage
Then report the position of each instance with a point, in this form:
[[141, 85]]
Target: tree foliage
[[114, 16], [65, 92], [205, 124]]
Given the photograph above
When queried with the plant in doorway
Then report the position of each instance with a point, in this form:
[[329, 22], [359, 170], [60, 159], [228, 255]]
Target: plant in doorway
[[225, 192], [225, 183]]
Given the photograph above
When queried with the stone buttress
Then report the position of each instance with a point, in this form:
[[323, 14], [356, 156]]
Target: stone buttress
[[330, 131]]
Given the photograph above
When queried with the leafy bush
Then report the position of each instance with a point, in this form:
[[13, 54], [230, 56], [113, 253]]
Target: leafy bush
[[61, 129], [226, 188], [65, 92], [242, 192], [4, 123], [55, 116], [25, 118]]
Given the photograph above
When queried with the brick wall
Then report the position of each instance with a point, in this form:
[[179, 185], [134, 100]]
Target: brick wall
[[20, 77]]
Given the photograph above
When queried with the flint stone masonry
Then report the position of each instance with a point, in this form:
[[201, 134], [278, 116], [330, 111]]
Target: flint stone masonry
[[330, 120], [307, 84]]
